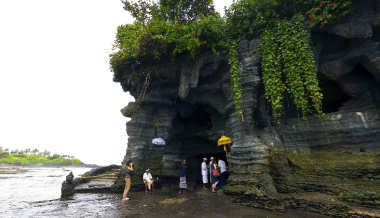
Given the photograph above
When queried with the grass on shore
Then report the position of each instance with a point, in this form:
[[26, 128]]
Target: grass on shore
[[29, 159]]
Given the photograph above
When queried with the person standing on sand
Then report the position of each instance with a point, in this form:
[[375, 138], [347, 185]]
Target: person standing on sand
[[204, 173], [182, 177], [128, 175], [215, 176], [210, 166], [223, 172], [148, 180]]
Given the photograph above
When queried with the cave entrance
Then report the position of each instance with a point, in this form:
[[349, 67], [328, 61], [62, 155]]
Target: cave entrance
[[355, 91], [197, 128], [333, 95]]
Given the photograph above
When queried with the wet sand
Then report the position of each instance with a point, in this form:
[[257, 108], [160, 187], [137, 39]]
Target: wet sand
[[201, 204], [36, 192]]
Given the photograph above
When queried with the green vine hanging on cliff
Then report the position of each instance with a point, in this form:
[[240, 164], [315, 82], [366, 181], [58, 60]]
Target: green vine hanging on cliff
[[271, 72], [288, 66], [236, 78]]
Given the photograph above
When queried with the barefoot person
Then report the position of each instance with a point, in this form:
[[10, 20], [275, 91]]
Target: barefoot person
[[148, 180], [204, 173], [182, 177], [128, 175]]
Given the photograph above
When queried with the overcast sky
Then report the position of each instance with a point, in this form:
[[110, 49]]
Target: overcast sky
[[56, 88]]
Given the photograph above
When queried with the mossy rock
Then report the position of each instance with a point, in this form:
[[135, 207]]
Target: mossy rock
[[365, 198], [335, 163]]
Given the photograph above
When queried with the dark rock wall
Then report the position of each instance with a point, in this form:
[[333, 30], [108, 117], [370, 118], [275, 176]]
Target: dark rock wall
[[188, 110], [192, 106]]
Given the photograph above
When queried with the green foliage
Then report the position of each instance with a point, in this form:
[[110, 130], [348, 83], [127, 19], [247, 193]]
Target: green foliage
[[160, 38], [235, 78], [329, 11], [172, 28], [142, 10], [271, 72], [248, 18], [185, 10], [288, 66]]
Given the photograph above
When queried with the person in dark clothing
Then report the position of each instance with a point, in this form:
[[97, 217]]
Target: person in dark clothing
[[128, 175], [211, 166], [182, 177]]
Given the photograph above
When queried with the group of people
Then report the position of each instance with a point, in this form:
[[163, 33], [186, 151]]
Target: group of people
[[214, 172]]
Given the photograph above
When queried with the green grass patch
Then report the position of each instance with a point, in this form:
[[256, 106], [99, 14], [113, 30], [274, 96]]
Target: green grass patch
[[25, 159]]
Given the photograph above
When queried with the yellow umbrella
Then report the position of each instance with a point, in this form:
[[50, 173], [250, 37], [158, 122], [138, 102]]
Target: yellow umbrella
[[224, 140]]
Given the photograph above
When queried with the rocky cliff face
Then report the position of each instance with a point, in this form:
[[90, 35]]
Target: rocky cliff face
[[330, 165]]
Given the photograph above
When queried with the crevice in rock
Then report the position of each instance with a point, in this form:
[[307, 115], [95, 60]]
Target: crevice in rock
[[330, 44], [355, 91], [363, 87], [376, 31], [333, 95]]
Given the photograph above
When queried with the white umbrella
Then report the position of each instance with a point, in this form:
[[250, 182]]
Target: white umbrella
[[158, 141]]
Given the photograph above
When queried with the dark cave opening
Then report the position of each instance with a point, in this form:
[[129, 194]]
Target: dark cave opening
[[195, 133], [353, 91], [333, 95], [363, 86]]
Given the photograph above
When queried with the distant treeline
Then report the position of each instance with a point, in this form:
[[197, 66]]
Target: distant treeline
[[34, 156]]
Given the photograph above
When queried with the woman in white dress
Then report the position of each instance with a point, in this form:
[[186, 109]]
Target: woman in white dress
[[204, 173]]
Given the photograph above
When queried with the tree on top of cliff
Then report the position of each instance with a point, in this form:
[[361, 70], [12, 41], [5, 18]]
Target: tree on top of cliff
[[186, 10], [169, 10], [168, 28]]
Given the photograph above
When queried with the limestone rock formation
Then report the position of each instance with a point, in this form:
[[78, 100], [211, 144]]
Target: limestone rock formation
[[326, 165]]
